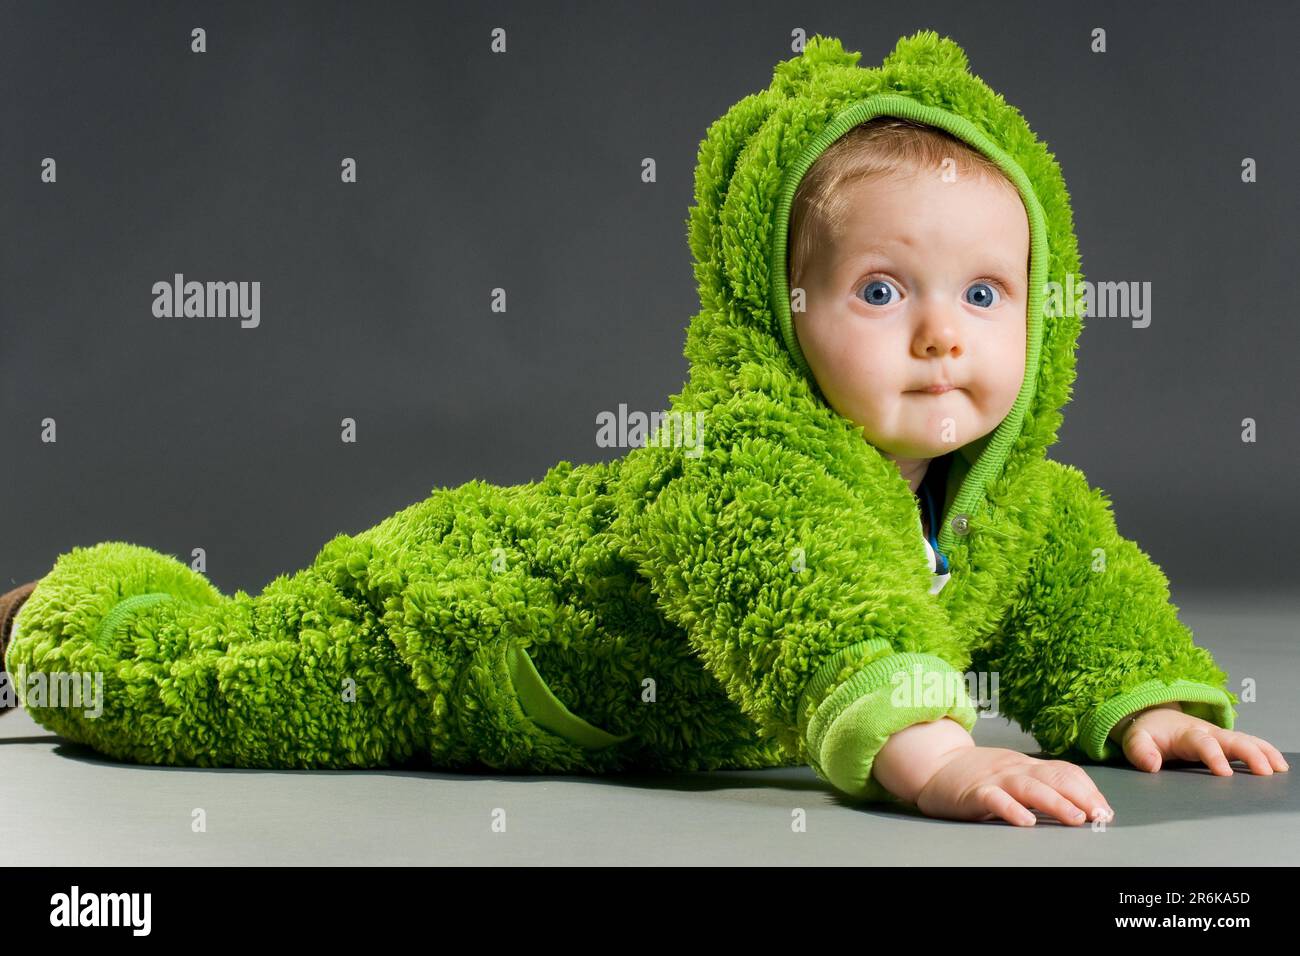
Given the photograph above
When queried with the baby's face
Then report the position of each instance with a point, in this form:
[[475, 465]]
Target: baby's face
[[926, 284]]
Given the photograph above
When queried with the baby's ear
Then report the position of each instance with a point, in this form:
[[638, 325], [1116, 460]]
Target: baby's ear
[[926, 48]]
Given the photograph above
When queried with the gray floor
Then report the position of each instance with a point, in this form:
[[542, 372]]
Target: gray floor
[[65, 805]]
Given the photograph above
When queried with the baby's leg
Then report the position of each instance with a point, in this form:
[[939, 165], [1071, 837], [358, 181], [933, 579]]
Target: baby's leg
[[131, 652], [398, 642], [464, 602]]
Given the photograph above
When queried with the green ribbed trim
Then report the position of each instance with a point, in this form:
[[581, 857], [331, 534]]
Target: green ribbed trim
[[853, 723], [1205, 701], [970, 498], [856, 733], [879, 672], [122, 610], [815, 689], [546, 710]]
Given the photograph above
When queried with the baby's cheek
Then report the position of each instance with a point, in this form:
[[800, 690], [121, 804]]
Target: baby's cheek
[[858, 383], [1003, 399]]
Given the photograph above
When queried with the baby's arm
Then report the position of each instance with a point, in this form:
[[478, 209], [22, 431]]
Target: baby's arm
[[911, 756], [804, 598], [1094, 636], [938, 767]]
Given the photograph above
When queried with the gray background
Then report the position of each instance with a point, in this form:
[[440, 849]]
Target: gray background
[[522, 171]]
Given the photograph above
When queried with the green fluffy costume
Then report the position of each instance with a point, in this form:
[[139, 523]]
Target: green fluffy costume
[[747, 603]]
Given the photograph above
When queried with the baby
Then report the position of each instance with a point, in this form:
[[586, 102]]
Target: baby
[[912, 251], [776, 595]]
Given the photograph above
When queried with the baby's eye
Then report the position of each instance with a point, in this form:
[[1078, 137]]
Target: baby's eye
[[982, 294], [879, 292]]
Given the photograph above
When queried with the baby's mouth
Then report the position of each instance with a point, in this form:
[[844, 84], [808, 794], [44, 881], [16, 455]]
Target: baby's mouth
[[935, 390]]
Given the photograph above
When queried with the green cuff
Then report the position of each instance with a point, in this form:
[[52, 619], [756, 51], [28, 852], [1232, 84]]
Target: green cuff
[[1200, 700], [890, 693]]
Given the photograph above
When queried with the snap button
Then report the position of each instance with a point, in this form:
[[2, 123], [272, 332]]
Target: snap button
[[961, 524]]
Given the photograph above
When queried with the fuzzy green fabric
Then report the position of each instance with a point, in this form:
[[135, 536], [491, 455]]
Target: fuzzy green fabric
[[761, 600]]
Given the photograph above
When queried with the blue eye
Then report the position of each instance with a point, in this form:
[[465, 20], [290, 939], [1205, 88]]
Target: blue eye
[[879, 292], [983, 295]]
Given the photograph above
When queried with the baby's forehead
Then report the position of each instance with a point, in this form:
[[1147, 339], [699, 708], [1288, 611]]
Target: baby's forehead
[[844, 250], [879, 219], [899, 187]]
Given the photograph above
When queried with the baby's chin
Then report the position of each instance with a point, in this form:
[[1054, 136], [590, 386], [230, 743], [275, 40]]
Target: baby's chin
[[913, 451], [923, 426], [920, 443], [940, 428]]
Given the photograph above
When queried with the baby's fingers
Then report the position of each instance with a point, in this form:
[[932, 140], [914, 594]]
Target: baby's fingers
[[1032, 792], [1196, 745], [1073, 783], [1001, 804], [1274, 755], [1142, 751], [1250, 750]]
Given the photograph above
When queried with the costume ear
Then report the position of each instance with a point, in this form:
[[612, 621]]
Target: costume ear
[[927, 49], [819, 53], [828, 50]]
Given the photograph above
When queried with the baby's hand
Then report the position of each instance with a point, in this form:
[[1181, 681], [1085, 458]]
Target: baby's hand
[[988, 783], [1166, 731]]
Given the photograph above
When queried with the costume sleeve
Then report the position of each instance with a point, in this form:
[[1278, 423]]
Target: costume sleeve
[[1095, 637], [807, 601]]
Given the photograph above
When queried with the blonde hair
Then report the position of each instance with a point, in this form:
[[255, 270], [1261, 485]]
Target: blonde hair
[[878, 147]]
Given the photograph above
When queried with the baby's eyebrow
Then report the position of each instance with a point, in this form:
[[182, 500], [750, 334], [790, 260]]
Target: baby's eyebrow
[[859, 255], [1015, 274]]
